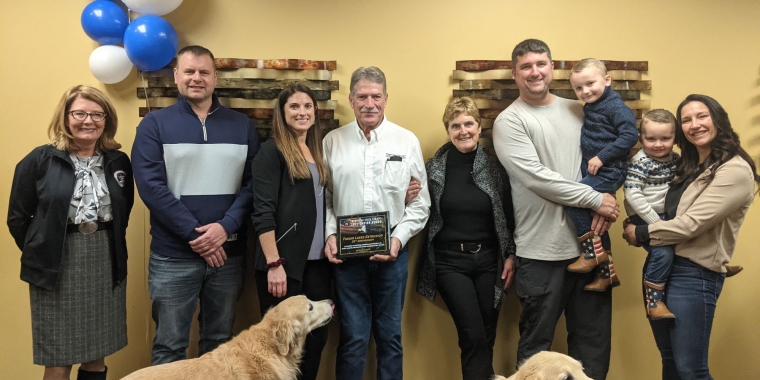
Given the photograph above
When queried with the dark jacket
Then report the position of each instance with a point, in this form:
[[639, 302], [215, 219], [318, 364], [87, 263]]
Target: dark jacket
[[277, 205], [489, 175], [40, 196]]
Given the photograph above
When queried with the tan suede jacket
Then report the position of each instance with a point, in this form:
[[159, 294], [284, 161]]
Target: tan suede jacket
[[709, 216]]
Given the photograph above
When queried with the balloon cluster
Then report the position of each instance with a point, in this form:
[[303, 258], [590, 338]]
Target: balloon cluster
[[150, 42]]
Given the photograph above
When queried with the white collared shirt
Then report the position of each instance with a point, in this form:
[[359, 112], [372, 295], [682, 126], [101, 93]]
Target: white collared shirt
[[372, 176]]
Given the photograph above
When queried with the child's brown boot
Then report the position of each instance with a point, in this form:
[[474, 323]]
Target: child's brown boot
[[655, 306], [733, 270], [605, 278], [592, 254]]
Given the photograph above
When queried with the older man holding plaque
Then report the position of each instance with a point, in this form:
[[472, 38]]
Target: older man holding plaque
[[370, 162]]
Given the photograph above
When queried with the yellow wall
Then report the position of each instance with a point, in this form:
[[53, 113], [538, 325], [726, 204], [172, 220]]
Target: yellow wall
[[701, 46]]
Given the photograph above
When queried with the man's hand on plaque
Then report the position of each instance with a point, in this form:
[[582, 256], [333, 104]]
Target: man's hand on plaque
[[331, 249], [395, 247]]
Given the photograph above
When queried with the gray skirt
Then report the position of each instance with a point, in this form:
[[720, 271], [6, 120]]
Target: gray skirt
[[84, 318]]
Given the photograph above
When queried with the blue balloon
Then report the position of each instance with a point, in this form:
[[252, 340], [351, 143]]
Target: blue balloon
[[104, 22], [151, 42]]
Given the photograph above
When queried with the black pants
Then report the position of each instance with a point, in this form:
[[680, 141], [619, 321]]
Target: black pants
[[546, 289], [315, 285], [466, 282]]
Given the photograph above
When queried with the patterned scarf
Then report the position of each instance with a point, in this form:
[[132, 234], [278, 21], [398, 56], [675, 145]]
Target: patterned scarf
[[88, 190]]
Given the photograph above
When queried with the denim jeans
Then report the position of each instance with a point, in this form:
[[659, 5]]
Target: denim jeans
[[660, 259], [175, 286], [370, 299], [691, 294], [606, 180], [466, 282]]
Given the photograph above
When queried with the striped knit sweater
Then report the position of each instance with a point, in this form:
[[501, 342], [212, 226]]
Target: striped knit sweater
[[647, 184], [192, 172]]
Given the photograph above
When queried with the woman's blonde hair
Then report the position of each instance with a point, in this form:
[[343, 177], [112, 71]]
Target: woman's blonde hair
[[458, 106], [285, 138], [58, 130]]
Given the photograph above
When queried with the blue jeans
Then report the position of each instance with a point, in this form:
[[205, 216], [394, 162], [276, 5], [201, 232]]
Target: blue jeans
[[660, 259], [370, 299], [691, 294], [175, 286], [606, 180]]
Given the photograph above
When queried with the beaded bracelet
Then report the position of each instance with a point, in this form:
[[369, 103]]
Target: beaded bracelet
[[276, 263]]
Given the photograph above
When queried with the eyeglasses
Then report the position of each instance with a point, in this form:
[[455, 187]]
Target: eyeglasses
[[82, 116]]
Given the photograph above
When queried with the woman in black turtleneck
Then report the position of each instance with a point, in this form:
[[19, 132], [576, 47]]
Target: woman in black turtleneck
[[470, 249]]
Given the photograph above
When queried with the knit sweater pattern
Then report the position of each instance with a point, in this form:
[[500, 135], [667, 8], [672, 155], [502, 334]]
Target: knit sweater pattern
[[609, 130], [647, 183]]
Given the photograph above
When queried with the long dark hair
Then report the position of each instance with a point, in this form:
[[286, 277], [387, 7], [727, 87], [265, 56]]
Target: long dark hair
[[724, 147], [285, 138]]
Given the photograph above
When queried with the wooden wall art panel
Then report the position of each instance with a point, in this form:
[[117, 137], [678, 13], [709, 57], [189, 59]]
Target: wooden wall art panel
[[491, 85], [251, 86]]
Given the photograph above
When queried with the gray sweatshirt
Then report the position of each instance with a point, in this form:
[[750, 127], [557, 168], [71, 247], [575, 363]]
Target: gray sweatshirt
[[540, 148]]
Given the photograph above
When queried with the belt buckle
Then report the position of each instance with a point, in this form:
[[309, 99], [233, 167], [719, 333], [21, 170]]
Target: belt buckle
[[477, 250], [88, 227]]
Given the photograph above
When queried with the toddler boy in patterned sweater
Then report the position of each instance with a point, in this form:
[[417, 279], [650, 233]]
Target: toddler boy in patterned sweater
[[608, 134], [650, 172]]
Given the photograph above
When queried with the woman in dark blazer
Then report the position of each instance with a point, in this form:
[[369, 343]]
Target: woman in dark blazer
[[69, 206], [289, 180], [470, 250]]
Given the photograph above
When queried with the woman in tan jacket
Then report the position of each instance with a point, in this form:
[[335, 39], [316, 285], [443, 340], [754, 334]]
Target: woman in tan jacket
[[705, 208]]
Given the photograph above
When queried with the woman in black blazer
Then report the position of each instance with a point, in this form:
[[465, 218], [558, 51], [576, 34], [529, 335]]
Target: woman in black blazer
[[68, 212], [289, 179]]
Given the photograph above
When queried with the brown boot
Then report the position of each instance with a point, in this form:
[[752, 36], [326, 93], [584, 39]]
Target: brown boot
[[592, 254], [733, 270], [656, 308], [605, 278], [599, 284], [613, 275]]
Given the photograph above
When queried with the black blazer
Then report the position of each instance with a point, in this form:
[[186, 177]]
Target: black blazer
[[278, 204], [40, 196]]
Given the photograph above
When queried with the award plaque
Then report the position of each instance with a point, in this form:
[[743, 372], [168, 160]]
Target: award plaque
[[363, 235]]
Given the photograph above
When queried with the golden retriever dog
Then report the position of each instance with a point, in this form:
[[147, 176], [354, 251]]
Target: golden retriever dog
[[269, 350], [548, 365]]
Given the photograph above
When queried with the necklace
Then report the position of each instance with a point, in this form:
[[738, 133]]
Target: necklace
[[315, 176]]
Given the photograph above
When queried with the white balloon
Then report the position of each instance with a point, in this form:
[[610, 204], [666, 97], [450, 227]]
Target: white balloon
[[110, 64], [152, 7]]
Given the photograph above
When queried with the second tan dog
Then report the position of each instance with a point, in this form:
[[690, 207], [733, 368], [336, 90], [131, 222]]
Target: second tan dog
[[548, 365], [269, 350]]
